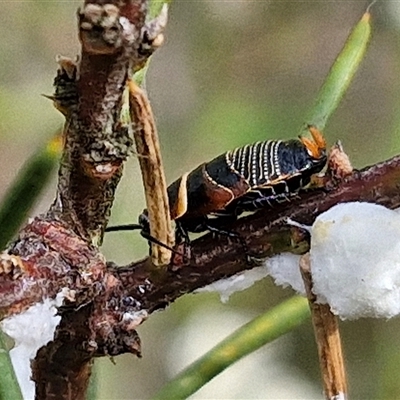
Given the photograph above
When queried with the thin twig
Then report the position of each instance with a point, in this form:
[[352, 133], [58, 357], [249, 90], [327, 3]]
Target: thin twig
[[327, 335], [148, 149]]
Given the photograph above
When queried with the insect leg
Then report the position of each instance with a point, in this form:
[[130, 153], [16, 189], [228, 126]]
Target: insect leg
[[181, 234], [212, 226]]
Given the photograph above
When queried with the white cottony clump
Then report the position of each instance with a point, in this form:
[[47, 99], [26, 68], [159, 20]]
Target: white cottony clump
[[355, 263], [285, 270], [236, 283], [31, 330], [355, 260]]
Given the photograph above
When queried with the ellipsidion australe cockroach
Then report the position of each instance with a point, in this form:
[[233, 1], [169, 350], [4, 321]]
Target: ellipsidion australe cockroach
[[244, 179]]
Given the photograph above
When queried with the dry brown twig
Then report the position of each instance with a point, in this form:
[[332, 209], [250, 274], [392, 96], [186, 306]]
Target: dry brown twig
[[327, 335], [149, 155], [325, 323]]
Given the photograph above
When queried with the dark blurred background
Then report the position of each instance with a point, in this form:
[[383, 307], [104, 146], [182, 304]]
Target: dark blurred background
[[231, 72]]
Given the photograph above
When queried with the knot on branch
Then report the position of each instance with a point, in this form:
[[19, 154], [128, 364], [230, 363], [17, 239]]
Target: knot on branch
[[46, 257], [101, 30], [113, 146]]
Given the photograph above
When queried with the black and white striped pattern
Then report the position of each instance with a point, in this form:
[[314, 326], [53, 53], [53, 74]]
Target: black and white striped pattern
[[257, 163]]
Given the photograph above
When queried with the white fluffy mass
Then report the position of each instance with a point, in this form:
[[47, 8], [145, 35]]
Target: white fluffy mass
[[285, 270], [236, 283], [355, 263], [355, 260], [30, 330]]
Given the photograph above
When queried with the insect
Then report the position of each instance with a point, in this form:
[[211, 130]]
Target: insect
[[240, 180]]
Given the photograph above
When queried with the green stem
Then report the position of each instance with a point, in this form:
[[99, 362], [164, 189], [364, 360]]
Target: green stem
[[341, 73], [9, 388], [25, 190], [154, 10], [250, 337]]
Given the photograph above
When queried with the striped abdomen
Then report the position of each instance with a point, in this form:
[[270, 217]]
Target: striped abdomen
[[264, 164], [275, 170]]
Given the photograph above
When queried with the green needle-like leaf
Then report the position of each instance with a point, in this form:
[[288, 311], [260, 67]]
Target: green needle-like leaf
[[341, 73], [26, 189], [9, 388], [250, 337]]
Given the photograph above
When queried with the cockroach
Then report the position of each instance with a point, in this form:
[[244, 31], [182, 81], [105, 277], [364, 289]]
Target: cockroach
[[245, 179], [240, 180]]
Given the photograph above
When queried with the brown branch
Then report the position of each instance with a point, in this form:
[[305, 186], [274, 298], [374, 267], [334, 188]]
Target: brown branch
[[118, 299], [96, 145], [115, 41], [265, 232], [96, 142]]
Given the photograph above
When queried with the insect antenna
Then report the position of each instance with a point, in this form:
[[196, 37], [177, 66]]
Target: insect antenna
[[143, 233], [128, 227]]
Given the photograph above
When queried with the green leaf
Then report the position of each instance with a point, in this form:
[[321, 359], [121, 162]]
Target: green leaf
[[9, 388], [25, 190], [250, 337], [341, 73]]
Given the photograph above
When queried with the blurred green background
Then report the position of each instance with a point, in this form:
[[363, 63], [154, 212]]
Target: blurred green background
[[231, 72]]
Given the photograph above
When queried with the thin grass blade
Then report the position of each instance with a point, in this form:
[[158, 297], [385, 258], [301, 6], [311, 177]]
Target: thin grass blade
[[341, 73], [26, 189], [250, 337]]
